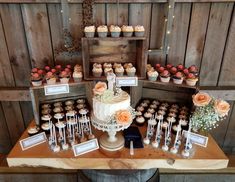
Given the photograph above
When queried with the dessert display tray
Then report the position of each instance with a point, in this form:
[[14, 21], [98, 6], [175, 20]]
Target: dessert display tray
[[211, 157]]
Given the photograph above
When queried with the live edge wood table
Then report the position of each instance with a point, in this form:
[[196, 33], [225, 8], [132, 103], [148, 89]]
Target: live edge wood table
[[211, 157]]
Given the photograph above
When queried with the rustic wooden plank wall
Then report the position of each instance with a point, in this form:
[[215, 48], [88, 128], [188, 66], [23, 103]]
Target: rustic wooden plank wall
[[30, 35]]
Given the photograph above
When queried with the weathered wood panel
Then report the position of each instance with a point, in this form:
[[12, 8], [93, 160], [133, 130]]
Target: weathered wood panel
[[219, 20], [113, 18], [227, 76], [38, 34], [16, 42], [178, 39], [27, 112], [197, 32], [99, 14]]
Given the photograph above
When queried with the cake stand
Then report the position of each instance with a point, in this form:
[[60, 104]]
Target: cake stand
[[111, 140]]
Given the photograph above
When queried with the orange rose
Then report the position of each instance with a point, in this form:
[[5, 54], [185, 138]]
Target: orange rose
[[222, 107], [123, 116], [100, 87], [201, 99]]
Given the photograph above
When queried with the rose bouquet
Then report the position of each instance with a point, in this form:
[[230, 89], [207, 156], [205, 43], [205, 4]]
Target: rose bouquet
[[208, 112]]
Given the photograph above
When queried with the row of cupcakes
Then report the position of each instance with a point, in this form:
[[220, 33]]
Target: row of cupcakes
[[178, 73], [114, 30], [58, 73], [117, 68]]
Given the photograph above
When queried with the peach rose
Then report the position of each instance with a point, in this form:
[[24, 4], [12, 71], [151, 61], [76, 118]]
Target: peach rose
[[123, 116], [201, 99], [100, 87], [222, 107]]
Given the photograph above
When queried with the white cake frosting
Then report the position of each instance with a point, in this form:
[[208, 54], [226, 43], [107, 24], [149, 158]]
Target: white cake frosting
[[104, 109]]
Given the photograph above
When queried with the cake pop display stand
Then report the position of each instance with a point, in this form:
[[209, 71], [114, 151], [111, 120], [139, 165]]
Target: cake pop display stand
[[111, 140]]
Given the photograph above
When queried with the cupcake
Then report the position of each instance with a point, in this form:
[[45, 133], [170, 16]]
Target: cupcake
[[173, 70], [115, 31], [57, 109], [77, 76], [108, 70], [50, 78], [36, 79], [33, 130], [191, 79], [64, 77], [97, 71], [138, 113], [160, 69], [107, 65], [157, 66], [139, 31], [127, 31], [46, 127], [152, 75], [148, 115], [151, 110], [130, 71], [46, 117], [69, 102], [178, 78], [165, 76], [89, 31], [186, 71], [119, 71], [77, 68], [180, 67], [169, 66], [102, 31], [128, 65], [116, 65], [139, 121], [193, 69], [46, 111]]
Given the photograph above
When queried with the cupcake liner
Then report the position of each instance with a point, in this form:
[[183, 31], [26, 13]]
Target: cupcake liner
[[89, 34], [131, 74], [152, 78], [102, 34], [51, 81], [177, 81], [115, 34], [64, 80], [165, 80], [191, 82], [119, 74], [97, 74], [77, 79], [139, 34], [127, 34], [36, 83]]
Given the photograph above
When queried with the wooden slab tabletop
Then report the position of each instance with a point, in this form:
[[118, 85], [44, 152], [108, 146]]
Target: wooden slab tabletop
[[211, 157]]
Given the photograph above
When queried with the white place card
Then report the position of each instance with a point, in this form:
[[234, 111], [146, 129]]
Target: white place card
[[126, 81], [85, 147], [56, 89], [33, 141], [197, 139]]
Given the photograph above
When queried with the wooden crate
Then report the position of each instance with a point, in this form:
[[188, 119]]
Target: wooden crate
[[38, 96], [111, 50]]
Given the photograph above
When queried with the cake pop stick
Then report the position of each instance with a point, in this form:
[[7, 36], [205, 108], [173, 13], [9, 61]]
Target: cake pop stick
[[157, 140], [185, 152], [165, 146], [57, 147]]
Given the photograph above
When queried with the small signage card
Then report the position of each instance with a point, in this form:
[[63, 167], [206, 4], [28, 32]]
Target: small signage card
[[126, 81], [56, 89], [33, 141], [85, 147], [197, 139]]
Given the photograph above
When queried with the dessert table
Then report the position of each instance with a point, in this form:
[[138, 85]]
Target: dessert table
[[211, 157]]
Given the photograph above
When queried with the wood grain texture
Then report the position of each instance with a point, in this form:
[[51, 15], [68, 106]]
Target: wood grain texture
[[197, 32], [14, 120], [6, 75], [113, 18], [227, 76], [14, 94], [27, 112], [178, 38], [16, 42], [219, 20], [5, 142], [158, 25], [38, 34], [99, 14]]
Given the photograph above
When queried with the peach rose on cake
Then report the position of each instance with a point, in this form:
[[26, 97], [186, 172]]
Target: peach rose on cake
[[100, 88], [221, 107], [201, 99], [123, 116]]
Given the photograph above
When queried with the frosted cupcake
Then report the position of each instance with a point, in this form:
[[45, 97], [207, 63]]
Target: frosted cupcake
[[115, 31], [140, 121], [115, 65], [149, 68], [107, 65], [50, 78], [108, 70], [77, 76], [102, 31], [128, 65], [165, 76], [191, 79], [127, 31], [64, 77], [152, 75], [178, 78], [33, 130], [139, 31], [131, 71], [77, 68], [119, 71], [97, 71], [89, 31]]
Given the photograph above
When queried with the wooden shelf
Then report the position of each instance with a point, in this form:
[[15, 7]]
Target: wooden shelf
[[115, 38], [211, 157]]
